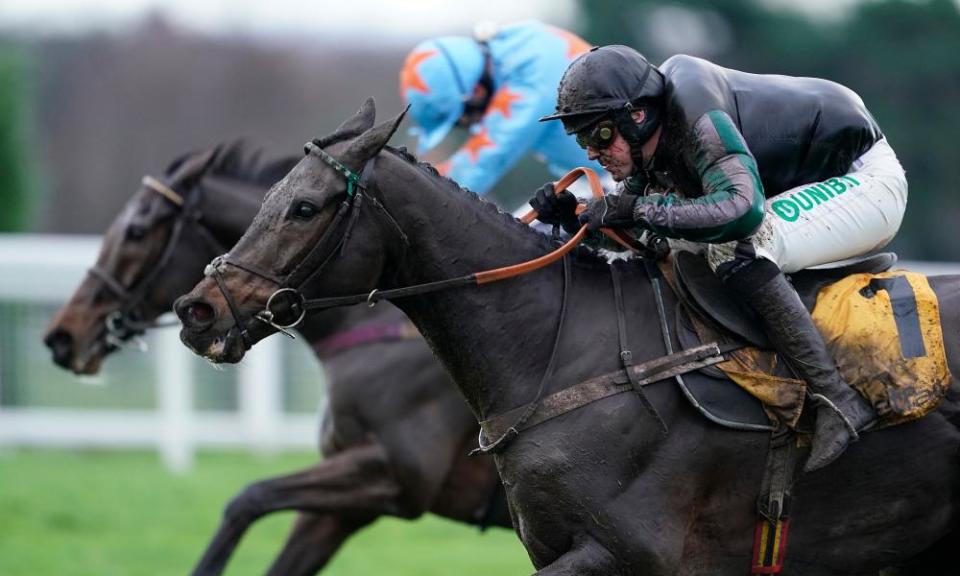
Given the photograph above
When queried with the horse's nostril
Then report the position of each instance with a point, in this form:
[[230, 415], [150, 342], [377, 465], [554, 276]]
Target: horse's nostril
[[200, 312], [60, 343], [194, 312]]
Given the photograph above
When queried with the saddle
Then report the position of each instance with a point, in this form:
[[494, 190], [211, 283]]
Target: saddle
[[701, 290], [889, 348], [757, 401]]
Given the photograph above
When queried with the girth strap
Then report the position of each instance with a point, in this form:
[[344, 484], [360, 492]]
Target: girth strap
[[603, 386], [626, 356], [773, 505], [653, 272]]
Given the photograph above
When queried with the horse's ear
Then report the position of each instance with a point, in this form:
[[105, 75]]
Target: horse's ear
[[352, 127], [196, 165], [358, 123], [231, 156], [368, 144]]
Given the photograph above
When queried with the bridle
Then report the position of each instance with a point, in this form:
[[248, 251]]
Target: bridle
[[124, 324], [330, 244]]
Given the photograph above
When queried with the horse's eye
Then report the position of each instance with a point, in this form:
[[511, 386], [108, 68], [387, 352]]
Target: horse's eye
[[135, 232], [305, 210]]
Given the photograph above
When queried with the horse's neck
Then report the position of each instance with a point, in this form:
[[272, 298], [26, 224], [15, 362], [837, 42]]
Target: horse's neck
[[228, 205], [495, 339], [316, 327]]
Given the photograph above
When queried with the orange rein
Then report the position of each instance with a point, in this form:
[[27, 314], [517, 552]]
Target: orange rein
[[569, 178], [486, 276]]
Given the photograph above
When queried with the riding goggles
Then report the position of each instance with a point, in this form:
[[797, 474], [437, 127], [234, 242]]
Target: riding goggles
[[598, 136]]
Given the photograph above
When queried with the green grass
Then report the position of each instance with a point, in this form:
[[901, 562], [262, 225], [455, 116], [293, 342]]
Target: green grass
[[104, 514]]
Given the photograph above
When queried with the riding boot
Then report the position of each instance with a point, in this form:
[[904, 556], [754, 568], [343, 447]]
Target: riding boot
[[841, 410]]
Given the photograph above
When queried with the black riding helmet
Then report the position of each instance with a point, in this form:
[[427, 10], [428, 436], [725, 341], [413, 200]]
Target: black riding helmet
[[611, 82]]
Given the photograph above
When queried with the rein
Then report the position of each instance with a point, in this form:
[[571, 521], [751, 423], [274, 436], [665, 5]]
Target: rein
[[122, 325], [493, 275], [331, 244], [496, 274], [506, 426]]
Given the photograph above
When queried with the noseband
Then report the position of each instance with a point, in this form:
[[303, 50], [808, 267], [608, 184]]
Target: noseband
[[122, 324], [332, 242]]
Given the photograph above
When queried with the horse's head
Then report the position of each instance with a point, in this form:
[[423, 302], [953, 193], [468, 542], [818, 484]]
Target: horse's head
[[321, 224], [155, 237]]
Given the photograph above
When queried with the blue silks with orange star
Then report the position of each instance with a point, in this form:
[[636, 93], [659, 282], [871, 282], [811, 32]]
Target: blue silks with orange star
[[528, 60]]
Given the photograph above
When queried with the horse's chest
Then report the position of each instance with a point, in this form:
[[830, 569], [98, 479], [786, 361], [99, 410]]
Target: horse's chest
[[565, 478]]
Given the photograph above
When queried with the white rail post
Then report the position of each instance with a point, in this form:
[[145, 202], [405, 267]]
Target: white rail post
[[175, 401], [260, 381]]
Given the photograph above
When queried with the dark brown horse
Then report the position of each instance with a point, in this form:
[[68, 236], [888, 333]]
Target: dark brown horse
[[395, 434], [598, 490]]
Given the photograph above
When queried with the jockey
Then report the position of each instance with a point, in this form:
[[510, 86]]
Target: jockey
[[773, 174], [497, 85]]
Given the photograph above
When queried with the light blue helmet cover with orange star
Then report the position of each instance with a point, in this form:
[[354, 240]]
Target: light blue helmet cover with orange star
[[437, 77]]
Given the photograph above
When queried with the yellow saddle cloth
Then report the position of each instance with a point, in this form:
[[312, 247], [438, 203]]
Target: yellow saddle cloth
[[884, 332]]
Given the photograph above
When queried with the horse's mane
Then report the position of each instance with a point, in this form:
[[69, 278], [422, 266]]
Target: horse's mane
[[543, 241], [237, 160], [177, 162]]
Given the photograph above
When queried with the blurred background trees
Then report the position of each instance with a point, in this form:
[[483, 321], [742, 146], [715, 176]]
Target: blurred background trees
[[107, 108], [13, 167]]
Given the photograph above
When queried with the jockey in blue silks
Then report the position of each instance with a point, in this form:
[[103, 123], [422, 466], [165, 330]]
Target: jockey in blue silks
[[497, 85]]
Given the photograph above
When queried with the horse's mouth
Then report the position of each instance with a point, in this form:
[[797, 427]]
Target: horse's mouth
[[226, 348], [90, 362]]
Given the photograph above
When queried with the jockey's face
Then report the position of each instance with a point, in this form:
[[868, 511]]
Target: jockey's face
[[615, 158], [474, 107], [615, 155]]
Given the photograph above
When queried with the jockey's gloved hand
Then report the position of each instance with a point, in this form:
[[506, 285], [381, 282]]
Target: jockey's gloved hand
[[658, 246], [610, 211], [556, 209]]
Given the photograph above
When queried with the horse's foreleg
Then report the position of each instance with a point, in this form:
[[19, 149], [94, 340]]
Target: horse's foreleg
[[313, 541], [356, 483]]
